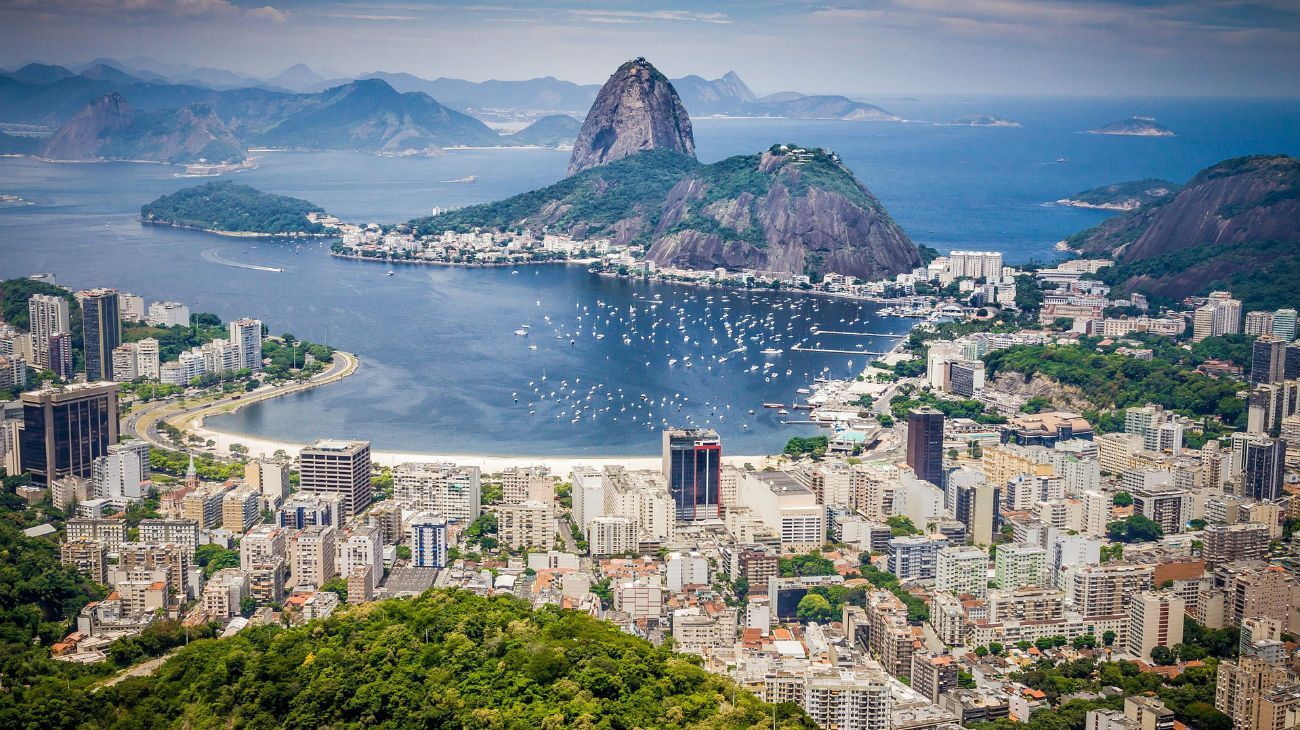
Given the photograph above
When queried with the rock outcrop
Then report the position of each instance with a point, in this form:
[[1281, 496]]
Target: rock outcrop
[[82, 136], [1234, 226], [637, 109], [108, 128], [805, 214], [1244, 199], [790, 210]]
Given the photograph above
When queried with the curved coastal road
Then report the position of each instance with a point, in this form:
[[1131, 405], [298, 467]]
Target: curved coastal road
[[142, 422]]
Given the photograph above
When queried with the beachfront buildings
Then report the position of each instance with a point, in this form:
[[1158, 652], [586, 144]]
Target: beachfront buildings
[[692, 464], [442, 488], [337, 467]]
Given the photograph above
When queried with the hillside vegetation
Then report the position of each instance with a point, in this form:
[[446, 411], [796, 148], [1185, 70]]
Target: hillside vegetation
[[226, 206], [446, 659]]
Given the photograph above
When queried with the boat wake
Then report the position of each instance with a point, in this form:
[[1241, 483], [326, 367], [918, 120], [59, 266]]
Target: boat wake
[[216, 258]]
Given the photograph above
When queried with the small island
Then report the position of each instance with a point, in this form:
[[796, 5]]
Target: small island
[[237, 210], [557, 130], [1136, 126], [1123, 196], [984, 120]]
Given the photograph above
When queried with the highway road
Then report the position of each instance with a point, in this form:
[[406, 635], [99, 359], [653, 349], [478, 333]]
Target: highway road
[[142, 422]]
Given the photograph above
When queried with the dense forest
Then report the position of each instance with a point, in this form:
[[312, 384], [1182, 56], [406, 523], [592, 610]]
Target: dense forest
[[226, 206], [1113, 381], [447, 659]]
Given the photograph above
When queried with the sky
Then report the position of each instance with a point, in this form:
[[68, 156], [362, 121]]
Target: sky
[[866, 49]]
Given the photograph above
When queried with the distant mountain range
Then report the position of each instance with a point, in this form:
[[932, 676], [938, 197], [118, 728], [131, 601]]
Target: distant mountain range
[[492, 99]]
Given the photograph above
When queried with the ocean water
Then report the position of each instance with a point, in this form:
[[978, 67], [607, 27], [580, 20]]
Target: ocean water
[[442, 367]]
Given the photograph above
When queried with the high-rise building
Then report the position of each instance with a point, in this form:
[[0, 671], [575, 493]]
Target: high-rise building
[[608, 535], [1018, 565], [1263, 466], [119, 474], [1241, 688], [1164, 504], [529, 524], [168, 314], [246, 336], [692, 464], [147, 359], [962, 570], [1104, 590], [305, 510], [270, 477], [975, 504], [848, 700], [124, 362], [1242, 541], [59, 350], [915, 557], [1259, 323], [1267, 360], [360, 554], [1284, 324], [262, 544], [522, 483], [428, 540], [131, 307], [925, 444], [1221, 315], [1154, 619], [101, 331], [47, 316], [313, 551], [65, 429], [337, 467], [446, 489], [933, 674]]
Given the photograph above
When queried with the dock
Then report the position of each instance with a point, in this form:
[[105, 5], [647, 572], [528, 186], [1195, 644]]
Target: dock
[[860, 334], [801, 348]]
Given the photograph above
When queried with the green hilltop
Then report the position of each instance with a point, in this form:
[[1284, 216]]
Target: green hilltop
[[449, 658], [229, 207]]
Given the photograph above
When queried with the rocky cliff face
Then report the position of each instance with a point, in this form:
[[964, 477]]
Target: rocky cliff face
[[1235, 226], [82, 136], [109, 129], [1239, 200], [803, 213], [637, 109]]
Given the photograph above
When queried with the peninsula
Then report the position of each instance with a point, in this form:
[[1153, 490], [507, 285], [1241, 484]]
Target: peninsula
[[1121, 196], [227, 208]]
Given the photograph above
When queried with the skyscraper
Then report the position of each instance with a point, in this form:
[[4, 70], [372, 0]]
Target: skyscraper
[[692, 464], [47, 315], [101, 331], [1263, 464], [1267, 360], [337, 467], [64, 430], [246, 336], [925, 444]]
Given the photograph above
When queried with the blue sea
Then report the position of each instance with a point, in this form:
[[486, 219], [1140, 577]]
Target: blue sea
[[443, 371]]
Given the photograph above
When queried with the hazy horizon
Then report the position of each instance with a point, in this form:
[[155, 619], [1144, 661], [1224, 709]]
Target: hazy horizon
[[875, 48]]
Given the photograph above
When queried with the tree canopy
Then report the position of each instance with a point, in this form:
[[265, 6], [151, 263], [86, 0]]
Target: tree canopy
[[446, 659]]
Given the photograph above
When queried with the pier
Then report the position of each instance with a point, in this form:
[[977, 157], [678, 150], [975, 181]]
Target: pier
[[801, 348], [860, 334]]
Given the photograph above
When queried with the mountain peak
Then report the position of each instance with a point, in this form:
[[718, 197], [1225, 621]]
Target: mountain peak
[[637, 109]]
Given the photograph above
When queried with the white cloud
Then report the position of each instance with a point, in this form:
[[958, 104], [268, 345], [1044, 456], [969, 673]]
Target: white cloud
[[266, 12]]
